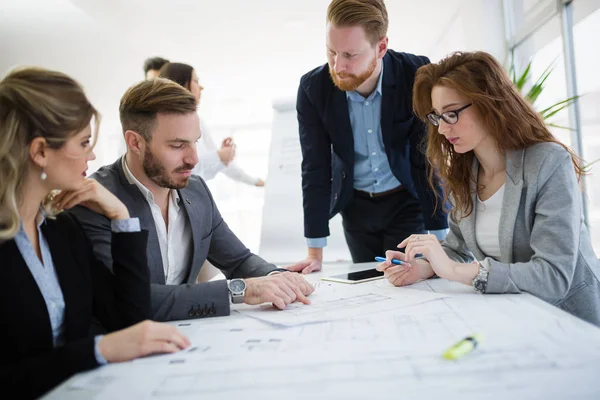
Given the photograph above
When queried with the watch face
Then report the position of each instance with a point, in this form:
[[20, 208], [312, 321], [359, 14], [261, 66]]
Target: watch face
[[237, 285]]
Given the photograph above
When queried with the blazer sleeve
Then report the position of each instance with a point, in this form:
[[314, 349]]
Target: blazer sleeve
[[34, 376], [316, 165], [454, 244], [186, 301], [431, 199], [121, 298], [554, 236]]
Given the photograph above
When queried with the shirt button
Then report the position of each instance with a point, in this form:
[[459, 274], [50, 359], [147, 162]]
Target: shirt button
[[370, 130], [376, 169], [373, 154], [367, 103]]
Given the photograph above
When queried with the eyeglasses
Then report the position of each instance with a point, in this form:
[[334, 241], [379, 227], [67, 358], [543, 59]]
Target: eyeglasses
[[449, 117]]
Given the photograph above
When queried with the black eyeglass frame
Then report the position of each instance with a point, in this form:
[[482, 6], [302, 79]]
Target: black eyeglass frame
[[435, 118]]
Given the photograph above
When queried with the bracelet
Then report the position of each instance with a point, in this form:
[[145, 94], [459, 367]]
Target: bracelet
[[480, 281]]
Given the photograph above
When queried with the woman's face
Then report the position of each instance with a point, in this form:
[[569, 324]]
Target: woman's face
[[66, 167], [468, 131], [195, 87]]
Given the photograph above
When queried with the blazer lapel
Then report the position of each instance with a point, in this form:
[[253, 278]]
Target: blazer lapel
[[63, 265], [388, 101], [138, 206], [342, 136], [467, 225], [25, 295], [510, 203], [197, 222]]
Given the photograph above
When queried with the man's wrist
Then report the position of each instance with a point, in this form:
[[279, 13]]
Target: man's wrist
[[315, 252]]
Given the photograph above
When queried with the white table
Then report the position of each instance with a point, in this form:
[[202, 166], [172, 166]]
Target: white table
[[531, 350]]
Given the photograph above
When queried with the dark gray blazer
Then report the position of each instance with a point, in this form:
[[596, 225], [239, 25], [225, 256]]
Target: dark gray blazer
[[212, 239], [545, 246]]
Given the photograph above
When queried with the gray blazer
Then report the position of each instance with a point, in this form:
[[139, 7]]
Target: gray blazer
[[545, 246], [211, 239]]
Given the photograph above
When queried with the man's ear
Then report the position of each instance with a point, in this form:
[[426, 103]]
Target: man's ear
[[382, 47], [38, 151], [135, 142]]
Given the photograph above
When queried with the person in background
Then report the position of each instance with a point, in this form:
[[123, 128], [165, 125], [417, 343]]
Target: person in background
[[212, 160], [152, 66], [53, 285], [361, 143], [517, 223], [155, 182]]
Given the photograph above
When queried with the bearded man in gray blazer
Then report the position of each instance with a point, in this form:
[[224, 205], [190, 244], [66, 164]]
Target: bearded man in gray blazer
[[153, 179]]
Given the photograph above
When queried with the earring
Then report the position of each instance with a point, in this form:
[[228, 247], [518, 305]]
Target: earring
[[43, 175]]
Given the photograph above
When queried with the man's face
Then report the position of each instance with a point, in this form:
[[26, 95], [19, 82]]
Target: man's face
[[171, 154], [351, 57], [151, 74]]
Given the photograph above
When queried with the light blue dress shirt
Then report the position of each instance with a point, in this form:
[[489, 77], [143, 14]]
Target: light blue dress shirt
[[45, 276], [372, 172]]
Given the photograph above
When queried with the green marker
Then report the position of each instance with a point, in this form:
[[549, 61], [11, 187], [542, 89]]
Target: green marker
[[463, 347]]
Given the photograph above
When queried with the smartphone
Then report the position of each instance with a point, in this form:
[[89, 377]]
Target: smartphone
[[356, 277]]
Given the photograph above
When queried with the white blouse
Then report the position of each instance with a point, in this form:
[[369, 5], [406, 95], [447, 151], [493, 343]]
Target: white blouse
[[487, 224]]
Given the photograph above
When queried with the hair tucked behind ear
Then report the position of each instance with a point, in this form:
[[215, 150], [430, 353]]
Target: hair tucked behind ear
[[509, 119], [34, 102]]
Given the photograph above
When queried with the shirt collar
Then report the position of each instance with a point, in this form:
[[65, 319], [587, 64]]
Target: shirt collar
[[354, 95], [40, 218], [145, 191]]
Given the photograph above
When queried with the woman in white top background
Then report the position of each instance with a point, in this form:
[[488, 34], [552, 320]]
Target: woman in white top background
[[212, 160], [517, 222]]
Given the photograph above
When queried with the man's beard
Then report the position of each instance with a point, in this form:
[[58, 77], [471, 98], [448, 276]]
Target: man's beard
[[158, 174], [352, 82]]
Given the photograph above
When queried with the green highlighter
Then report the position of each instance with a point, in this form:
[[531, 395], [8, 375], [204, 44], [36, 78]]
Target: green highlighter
[[463, 347]]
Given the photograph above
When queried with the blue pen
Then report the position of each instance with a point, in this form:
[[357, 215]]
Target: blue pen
[[394, 261]]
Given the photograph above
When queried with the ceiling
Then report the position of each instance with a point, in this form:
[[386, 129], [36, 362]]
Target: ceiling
[[247, 53]]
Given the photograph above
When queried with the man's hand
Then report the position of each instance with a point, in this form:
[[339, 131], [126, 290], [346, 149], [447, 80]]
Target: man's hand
[[312, 263], [280, 289]]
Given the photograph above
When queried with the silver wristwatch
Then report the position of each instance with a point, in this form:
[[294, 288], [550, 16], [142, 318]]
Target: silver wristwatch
[[237, 290], [480, 281]]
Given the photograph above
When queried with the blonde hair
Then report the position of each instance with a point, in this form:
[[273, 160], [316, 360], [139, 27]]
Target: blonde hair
[[509, 119], [370, 14], [143, 101], [34, 102]]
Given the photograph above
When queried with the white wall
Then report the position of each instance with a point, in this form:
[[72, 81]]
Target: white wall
[[247, 53]]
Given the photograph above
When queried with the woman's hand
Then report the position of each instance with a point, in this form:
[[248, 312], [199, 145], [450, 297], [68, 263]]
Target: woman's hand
[[442, 265], [95, 197], [405, 274], [140, 340], [430, 247]]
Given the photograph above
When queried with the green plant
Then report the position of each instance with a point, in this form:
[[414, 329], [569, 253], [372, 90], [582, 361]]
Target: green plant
[[534, 91]]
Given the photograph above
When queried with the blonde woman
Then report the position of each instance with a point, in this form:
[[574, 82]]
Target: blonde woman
[[52, 284]]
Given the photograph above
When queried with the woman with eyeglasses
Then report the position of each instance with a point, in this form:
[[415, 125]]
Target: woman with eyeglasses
[[52, 285], [516, 224]]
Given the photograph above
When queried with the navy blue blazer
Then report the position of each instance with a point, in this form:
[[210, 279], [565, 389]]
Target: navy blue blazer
[[328, 144]]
